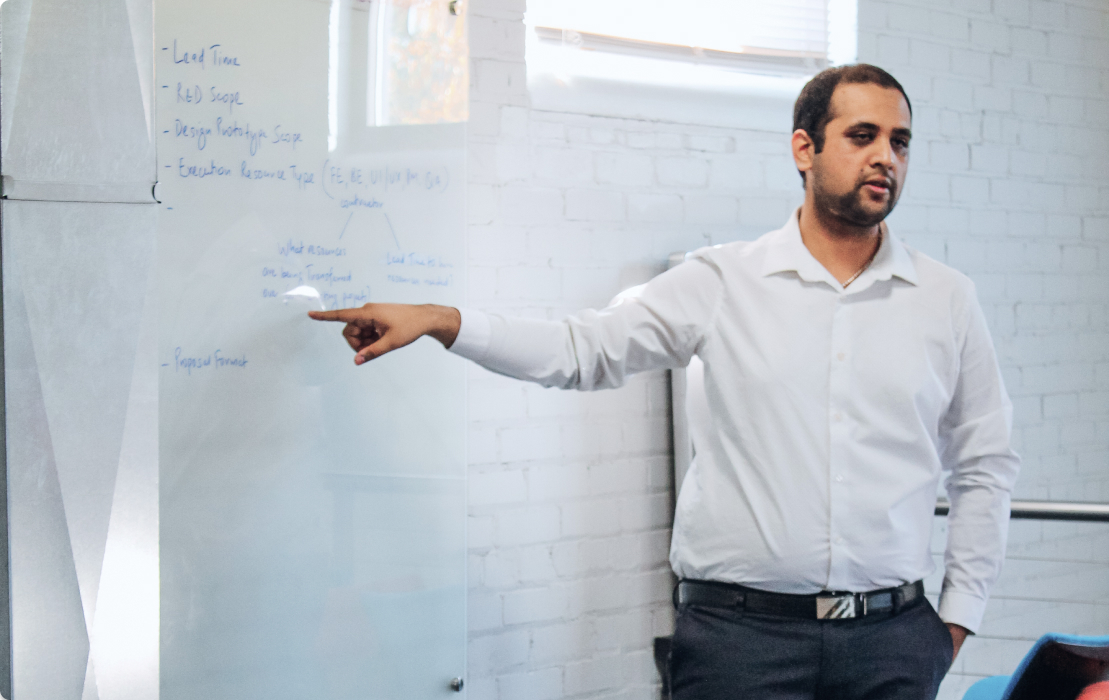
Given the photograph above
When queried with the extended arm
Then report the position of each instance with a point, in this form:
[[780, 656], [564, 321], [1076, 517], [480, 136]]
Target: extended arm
[[659, 327]]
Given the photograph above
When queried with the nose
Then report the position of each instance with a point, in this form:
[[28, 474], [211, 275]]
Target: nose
[[882, 154]]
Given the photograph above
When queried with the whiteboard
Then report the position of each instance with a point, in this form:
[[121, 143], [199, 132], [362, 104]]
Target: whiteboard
[[312, 513]]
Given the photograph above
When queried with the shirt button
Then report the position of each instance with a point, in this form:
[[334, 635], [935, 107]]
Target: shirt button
[[839, 477], [840, 356], [839, 540], [837, 417]]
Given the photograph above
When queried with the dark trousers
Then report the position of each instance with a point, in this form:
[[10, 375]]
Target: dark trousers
[[721, 654]]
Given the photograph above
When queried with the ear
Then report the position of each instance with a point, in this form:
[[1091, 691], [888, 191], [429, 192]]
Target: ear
[[804, 150]]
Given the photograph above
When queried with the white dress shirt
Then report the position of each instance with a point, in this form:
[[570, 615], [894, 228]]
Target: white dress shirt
[[833, 412]]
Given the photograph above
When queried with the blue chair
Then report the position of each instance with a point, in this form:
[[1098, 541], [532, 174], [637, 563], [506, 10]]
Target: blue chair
[[1057, 667]]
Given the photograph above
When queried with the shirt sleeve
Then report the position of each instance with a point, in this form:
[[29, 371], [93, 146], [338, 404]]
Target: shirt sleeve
[[658, 327], [976, 434]]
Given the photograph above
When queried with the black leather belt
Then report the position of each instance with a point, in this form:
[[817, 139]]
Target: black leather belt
[[827, 605]]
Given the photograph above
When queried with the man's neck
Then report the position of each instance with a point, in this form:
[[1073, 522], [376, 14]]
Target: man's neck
[[842, 249]]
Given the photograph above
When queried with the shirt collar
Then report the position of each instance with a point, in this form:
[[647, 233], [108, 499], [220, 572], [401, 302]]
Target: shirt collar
[[786, 252]]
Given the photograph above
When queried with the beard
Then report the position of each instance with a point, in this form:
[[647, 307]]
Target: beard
[[850, 207]]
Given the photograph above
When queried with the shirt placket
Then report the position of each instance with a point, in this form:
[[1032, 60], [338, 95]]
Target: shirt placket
[[840, 418]]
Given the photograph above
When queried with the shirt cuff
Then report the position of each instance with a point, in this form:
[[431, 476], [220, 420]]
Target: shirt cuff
[[962, 609], [473, 337]]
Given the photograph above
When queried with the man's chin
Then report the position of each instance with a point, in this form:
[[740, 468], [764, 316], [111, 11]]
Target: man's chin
[[865, 217]]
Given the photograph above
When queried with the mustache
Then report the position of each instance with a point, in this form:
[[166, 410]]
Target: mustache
[[881, 178]]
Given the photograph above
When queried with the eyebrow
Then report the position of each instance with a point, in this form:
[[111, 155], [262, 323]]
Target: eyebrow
[[899, 131]]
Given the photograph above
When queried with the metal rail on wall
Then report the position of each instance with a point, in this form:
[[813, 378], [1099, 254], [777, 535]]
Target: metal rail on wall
[[1048, 510]]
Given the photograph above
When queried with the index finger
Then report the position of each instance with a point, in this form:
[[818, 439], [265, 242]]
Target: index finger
[[344, 315]]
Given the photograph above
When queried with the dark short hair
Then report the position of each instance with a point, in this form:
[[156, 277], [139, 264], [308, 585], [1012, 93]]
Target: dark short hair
[[812, 110]]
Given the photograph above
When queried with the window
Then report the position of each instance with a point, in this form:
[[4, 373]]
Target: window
[[395, 63], [417, 72], [590, 54]]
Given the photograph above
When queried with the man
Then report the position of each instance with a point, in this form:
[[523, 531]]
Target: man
[[843, 372]]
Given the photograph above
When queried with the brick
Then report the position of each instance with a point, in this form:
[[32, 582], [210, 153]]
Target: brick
[[987, 158], [1010, 70], [591, 518], [557, 482], [948, 157], [531, 525], [1016, 12], [708, 209], [948, 220], [493, 653], [1046, 13], [531, 441], [737, 172], [1065, 110], [481, 203], [522, 205], [495, 38], [893, 51], [481, 444], [711, 144], [528, 283], [970, 189], [536, 564], [496, 487], [655, 208], [764, 211], [629, 169], [949, 26], [991, 98], [975, 64], [645, 512], [483, 611], [1029, 42], [501, 569], [534, 605], [1030, 105], [1062, 47], [669, 142], [498, 81], [1025, 163], [1064, 226], [990, 35], [617, 477], [595, 205], [515, 124], [1095, 228], [929, 55], [491, 245], [682, 172], [564, 165], [906, 17], [544, 684], [496, 398], [1080, 259], [925, 185], [594, 675]]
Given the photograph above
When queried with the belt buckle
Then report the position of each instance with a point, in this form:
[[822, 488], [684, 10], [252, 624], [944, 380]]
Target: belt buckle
[[835, 606]]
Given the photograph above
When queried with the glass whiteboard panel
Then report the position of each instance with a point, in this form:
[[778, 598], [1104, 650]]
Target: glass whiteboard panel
[[312, 513]]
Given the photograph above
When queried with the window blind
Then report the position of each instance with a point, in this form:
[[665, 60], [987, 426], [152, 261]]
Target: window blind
[[786, 28]]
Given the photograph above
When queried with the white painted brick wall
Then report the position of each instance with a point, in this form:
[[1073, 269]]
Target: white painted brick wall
[[569, 493], [1010, 98]]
